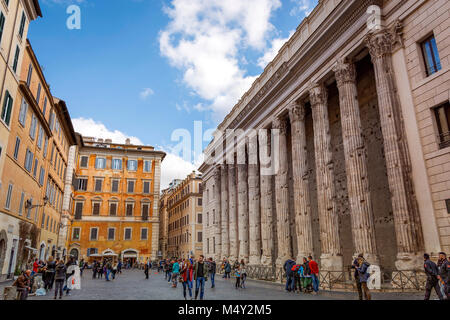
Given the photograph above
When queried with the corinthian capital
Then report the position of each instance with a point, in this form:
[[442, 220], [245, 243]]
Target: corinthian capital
[[318, 94], [344, 72], [297, 112], [383, 42], [280, 124]]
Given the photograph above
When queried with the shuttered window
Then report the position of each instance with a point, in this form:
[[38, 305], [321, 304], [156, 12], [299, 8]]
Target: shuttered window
[[7, 108], [146, 187], [129, 209], [78, 210], [145, 208], [113, 209], [84, 162], [115, 186], [98, 185], [96, 209], [2, 24]]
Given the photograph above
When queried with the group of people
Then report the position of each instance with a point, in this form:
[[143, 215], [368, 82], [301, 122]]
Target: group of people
[[65, 277], [438, 276], [239, 271], [302, 277], [188, 271], [108, 268]]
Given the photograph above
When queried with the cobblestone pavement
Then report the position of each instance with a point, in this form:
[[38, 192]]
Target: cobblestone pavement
[[132, 285]]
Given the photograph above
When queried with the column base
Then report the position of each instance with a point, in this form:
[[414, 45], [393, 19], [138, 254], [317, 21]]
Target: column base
[[331, 262], [409, 261], [266, 261]]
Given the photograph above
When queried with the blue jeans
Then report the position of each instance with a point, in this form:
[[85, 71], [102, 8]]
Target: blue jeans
[[315, 282], [290, 283], [107, 275], [212, 276], [187, 285], [200, 284], [170, 276]]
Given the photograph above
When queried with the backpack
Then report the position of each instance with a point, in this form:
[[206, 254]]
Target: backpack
[[295, 267]]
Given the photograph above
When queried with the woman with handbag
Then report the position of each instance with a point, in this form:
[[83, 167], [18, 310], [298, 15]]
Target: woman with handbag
[[186, 276]]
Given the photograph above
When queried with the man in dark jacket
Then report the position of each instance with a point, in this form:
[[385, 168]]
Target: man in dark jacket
[[432, 273], [212, 271], [444, 269], [355, 265], [289, 274], [364, 275], [200, 277], [60, 277]]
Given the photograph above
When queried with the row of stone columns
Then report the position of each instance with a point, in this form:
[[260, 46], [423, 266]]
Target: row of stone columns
[[246, 209]]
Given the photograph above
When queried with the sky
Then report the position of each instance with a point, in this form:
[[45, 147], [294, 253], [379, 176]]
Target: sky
[[153, 70]]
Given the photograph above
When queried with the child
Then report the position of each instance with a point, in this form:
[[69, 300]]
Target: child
[[237, 273]]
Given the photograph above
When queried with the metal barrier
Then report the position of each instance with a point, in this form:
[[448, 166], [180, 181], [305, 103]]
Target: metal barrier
[[390, 280]]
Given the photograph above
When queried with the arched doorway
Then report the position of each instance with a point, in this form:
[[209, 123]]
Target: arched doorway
[[3, 244], [74, 253]]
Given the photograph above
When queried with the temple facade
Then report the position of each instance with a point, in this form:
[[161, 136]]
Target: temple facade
[[341, 146]]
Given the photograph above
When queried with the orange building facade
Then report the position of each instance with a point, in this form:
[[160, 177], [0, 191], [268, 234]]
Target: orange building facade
[[115, 209]]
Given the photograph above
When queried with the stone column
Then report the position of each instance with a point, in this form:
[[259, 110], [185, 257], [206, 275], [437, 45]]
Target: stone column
[[267, 221], [224, 210], [282, 193], [232, 211], [331, 257], [254, 202], [243, 218], [217, 216], [300, 172], [363, 228], [406, 214]]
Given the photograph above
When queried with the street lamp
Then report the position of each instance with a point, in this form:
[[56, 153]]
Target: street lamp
[[29, 204]]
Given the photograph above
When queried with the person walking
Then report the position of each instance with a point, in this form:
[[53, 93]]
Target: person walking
[[23, 284], [289, 274], [243, 271], [146, 269], [364, 275], [432, 273], [166, 269], [60, 276], [187, 274], [227, 269], [71, 267], [314, 267], [237, 274], [119, 267], [108, 270], [297, 280], [443, 267], [355, 266], [50, 273], [175, 273], [212, 271], [94, 270], [200, 277]]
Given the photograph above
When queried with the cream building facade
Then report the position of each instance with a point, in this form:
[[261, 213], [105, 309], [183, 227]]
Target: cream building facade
[[353, 114]]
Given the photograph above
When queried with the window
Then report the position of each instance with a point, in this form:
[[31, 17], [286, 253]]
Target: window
[[111, 233], [17, 148], [51, 120], [98, 185], [146, 187], [45, 106], [442, 114], [91, 251], [84, 161], [199, 218], [147, 166], [94, 234], [29, 209], [7, 108], [96, 208], [16, 59], [130, 207], [45, 146], [200, 237], [132, 165], [144, 233], [33, 126], [145, 210], [117, 164], [100, 163], [130, 186], [78, 210], [22, 25], [127, 234], [36, 164], [8, 197], [199, 201], [40, 137], [431, 56], [29, 160], [82, 184], [2, 24], [76, 233], [22, 199], [41, 176], [30, 73], [115, 186], [23, 112], [112, 209], [43, 220]]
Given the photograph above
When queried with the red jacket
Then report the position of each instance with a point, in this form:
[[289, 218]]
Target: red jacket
[[187, 272], [314, 267], [35, 266]]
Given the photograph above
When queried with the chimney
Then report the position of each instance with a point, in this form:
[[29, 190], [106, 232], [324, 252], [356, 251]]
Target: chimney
[[100, 140], [128, 141], [108, 140]]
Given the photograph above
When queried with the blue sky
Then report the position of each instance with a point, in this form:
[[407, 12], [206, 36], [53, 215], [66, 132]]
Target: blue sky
[[144, 68]]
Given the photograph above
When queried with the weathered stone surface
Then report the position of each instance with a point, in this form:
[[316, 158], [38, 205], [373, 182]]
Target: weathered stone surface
[[254, 202], [225, 226], [242, 204], [218, 216], [232, 210]]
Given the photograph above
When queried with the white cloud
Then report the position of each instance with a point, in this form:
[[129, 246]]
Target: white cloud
[[205, 39], [271, 52], [145, 93], [302, 7], [92, 128], [174, 167]]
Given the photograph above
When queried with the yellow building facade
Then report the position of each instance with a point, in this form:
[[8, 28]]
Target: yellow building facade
[[184, 218], [115, 210]]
